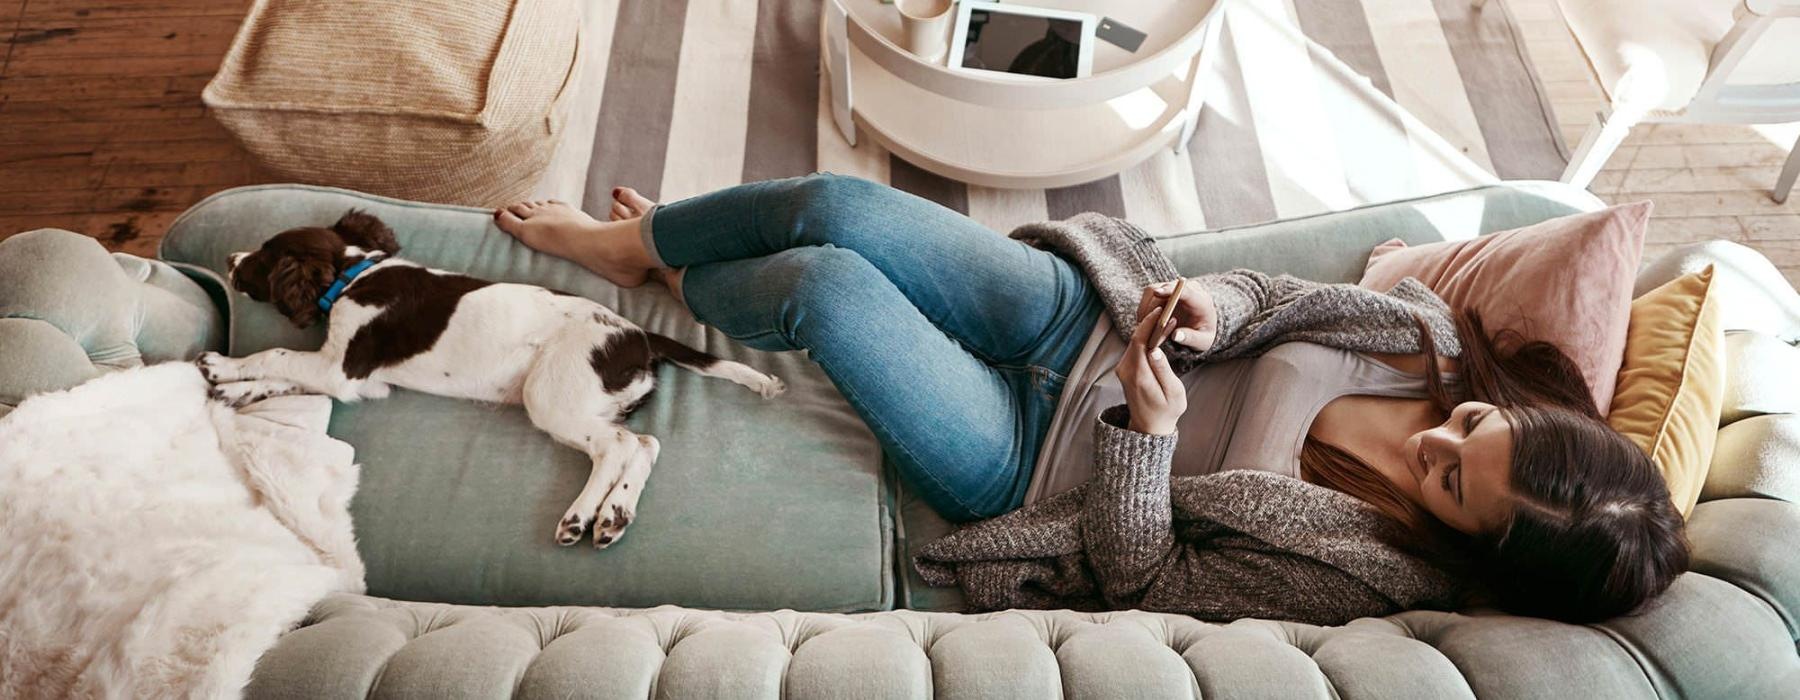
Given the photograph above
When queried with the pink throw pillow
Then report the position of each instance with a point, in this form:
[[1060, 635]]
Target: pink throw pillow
[[1565, 281]]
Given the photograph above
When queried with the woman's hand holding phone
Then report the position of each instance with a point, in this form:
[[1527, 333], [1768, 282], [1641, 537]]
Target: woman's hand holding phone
[[1154, 393], [1196, 317]]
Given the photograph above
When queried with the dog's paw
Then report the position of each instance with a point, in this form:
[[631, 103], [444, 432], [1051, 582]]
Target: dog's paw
[[649, 447], [216, 368], [772, 387], [241, 394], [614, 518], [572, 527]]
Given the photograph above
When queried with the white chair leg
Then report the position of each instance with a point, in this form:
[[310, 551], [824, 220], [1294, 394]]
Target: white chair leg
[[1789, 173], [1602, 138]]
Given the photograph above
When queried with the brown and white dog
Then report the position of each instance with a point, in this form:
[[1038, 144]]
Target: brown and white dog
[[578, 368]]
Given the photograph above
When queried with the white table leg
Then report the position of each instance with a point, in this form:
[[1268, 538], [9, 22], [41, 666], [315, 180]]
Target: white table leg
[[1602, 138], [1789, 173], [1196, 97], [837, 65], [1191, 113], [1187, 133]]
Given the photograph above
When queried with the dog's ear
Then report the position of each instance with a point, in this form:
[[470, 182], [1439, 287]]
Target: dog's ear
[[295, 285], [361, 229]]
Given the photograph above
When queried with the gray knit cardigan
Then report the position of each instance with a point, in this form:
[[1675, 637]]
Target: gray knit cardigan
[[1219, 546]]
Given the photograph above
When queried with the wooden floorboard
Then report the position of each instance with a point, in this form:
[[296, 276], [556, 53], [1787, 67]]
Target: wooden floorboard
[[102, 130], [11, 13]]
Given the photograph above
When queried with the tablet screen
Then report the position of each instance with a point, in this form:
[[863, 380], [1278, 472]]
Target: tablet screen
[[1024, 44]]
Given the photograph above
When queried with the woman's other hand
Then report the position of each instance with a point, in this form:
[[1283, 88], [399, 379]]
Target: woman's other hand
[[1196, 317], [1155, 395]]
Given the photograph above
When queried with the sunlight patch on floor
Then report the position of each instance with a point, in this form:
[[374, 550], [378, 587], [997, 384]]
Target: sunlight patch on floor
[[1139, 108], [1782, 135]]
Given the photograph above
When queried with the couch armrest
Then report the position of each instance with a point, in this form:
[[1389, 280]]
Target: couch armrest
[[1749, 508], [1756, 458], [1758, 452], [70, 311], [1748, 542], [1758, 298]]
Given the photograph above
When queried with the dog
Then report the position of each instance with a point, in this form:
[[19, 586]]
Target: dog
[[578, 368]]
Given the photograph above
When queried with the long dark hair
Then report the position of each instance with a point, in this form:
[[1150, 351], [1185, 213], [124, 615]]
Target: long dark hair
[[1592, 534]]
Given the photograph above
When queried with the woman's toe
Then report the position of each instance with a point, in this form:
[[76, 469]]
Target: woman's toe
[[631, 199], [508, 221], [521, 209]]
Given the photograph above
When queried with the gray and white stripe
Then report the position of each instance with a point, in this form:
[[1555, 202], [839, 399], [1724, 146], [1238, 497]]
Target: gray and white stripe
[[1311, 105]]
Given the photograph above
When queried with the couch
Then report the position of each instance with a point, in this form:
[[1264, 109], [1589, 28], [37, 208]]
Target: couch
[[769, 556]]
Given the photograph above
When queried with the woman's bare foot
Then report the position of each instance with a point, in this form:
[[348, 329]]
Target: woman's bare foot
[[628, 204], [605, 247]]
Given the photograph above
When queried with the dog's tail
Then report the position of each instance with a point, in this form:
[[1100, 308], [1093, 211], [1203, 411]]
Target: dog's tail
[[707, 365]]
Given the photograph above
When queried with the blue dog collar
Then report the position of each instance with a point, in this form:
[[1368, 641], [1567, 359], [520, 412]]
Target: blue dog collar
[[343, 280]]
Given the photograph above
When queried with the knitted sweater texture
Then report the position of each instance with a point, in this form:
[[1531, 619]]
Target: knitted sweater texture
[[1219, 546]]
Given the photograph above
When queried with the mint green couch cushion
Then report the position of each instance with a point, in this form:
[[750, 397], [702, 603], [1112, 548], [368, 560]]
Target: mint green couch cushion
[[70, 311], [754, 504], [1329, 248]]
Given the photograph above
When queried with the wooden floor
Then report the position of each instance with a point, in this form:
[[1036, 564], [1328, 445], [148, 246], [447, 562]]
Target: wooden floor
[[101, 126], [102, 130]]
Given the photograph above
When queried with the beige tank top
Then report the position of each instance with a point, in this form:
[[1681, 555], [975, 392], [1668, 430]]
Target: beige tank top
[[1248, 413]]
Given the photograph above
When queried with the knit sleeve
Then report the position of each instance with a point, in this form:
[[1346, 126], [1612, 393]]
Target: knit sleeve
[[1232, 576], [1257, 312], [1125, 520]]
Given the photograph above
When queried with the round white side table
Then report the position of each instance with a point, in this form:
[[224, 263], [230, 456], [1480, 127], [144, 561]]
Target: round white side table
[[1021, 134]]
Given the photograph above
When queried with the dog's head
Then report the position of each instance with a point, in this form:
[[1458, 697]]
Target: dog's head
[[293, 269]]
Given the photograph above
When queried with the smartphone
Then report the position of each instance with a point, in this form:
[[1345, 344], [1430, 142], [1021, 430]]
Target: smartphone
[[1163, 329]]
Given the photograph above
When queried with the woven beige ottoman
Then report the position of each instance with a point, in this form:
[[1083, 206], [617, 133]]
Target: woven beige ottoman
[[452, 101]]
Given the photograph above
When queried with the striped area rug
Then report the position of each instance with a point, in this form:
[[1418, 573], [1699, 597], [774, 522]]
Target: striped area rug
[[1311, 106]]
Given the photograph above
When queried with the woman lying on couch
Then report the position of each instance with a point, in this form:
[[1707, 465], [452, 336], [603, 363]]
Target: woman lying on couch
[[1333, 460]]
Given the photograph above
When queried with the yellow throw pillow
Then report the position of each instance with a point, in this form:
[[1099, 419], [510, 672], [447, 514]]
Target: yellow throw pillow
[[1672, 384]]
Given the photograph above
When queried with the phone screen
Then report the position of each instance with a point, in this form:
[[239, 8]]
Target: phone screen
[[1023, 44]]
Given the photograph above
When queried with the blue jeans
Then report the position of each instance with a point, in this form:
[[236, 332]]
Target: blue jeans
[[951, 341]]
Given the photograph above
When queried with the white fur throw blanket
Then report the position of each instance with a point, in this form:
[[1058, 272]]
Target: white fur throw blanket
[[154, 543]]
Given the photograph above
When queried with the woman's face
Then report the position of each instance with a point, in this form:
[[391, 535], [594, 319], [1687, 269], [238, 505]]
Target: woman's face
[[1464, 468]]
